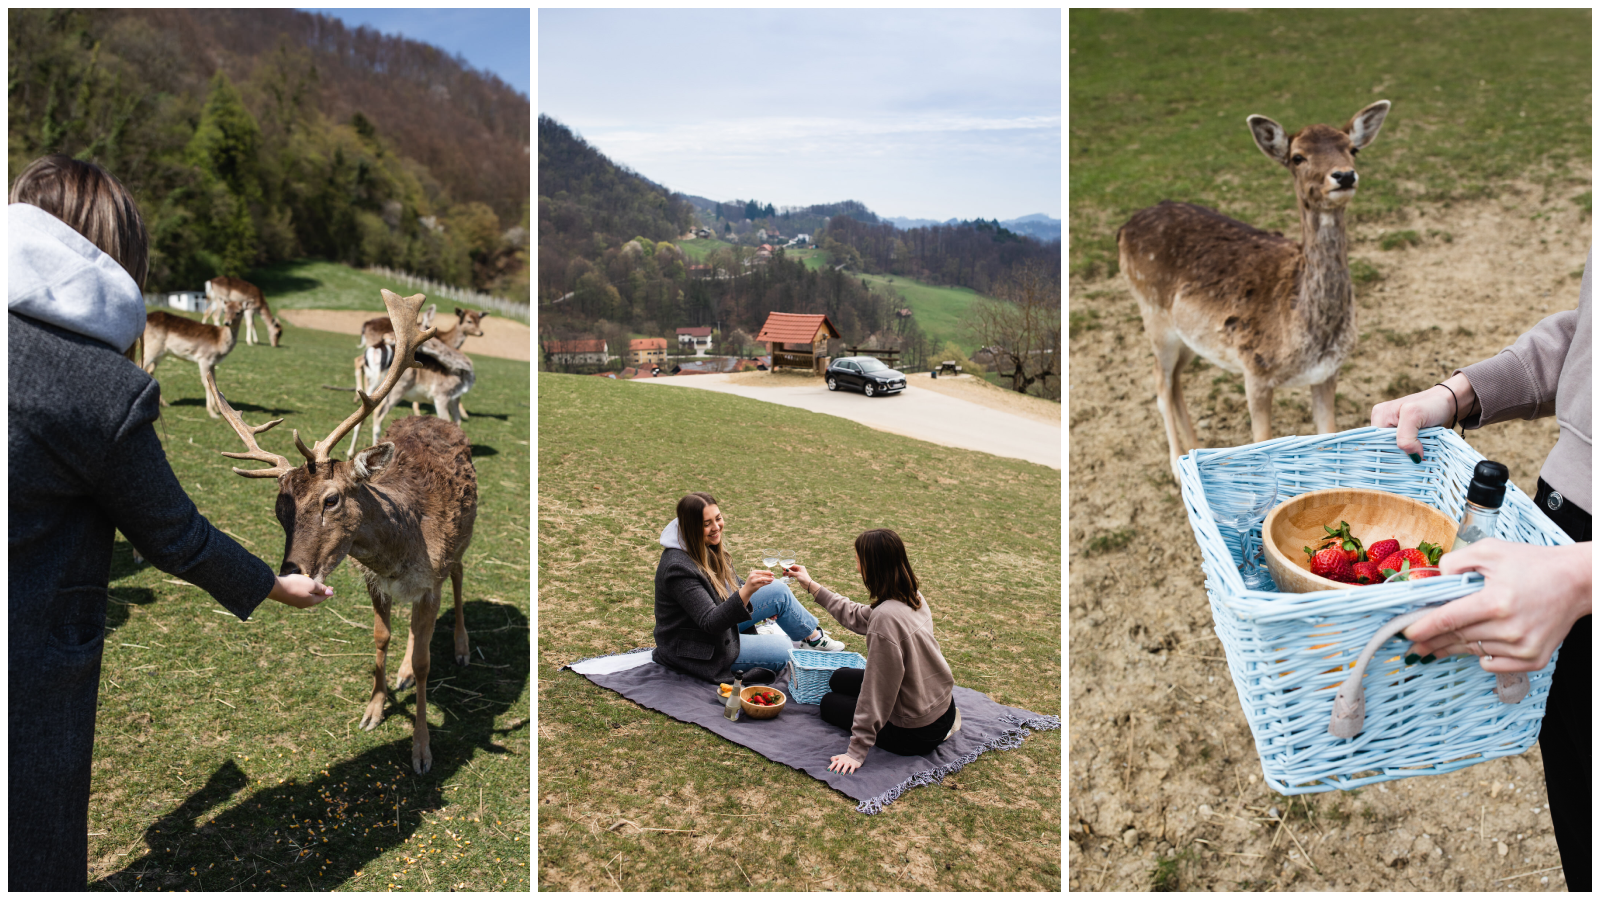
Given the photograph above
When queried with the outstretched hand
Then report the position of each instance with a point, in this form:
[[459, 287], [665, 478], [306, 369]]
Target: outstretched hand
[[755, 581], [799, 574], [300, 591], [843, 763], [1414, 412], [1531, 596]]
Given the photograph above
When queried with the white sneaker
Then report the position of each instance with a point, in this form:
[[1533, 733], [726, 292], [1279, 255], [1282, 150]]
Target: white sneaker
[[769, 626], [823, 642]]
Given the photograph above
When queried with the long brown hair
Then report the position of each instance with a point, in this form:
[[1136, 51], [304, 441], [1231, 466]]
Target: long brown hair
[[713, 562], [885, 569], [93, 203]]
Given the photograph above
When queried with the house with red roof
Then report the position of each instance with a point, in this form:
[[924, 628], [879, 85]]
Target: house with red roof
[[577, 353], [797, 340], [698, 337], [647, 351]]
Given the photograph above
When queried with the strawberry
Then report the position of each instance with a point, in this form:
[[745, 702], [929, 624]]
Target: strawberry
[[1340, 537], [1394, 561], [1380, 551], [1330, 562], [1366, 572], [1431, 551]]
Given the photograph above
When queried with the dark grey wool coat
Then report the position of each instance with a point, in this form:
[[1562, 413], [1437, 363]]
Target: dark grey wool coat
[[84, 460], [697, 628]]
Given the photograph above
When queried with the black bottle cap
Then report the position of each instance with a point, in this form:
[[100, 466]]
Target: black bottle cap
[[1488, 487]]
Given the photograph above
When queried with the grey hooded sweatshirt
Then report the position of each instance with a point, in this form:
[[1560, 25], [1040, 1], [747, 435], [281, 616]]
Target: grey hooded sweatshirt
[[85, 462]]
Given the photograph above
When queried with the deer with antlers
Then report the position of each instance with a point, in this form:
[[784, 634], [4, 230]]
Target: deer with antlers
[[202, 344], [377, 342], [222, 289], [403, 511], [1281, 313]]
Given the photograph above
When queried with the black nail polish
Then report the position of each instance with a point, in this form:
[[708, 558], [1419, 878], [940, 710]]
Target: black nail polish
[[1429, 658], [1411, 659], [1415, 457]]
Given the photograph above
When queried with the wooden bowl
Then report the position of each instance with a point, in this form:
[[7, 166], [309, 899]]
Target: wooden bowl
[[1373, 516], [756, 711]]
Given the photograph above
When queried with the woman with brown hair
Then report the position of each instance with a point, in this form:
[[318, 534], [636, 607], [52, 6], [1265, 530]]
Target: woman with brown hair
[[904, 700], [85, 462], [701, 605]]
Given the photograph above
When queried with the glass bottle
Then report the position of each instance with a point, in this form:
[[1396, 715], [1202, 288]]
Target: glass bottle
[[732, 708], [1481, 515]]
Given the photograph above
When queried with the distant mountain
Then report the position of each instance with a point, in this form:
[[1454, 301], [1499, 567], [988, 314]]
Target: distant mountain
[[905, 224], [1037, 225]]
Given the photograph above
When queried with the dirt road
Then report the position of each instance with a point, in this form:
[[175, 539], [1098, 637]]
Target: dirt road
[[502, 337], [991, 425]]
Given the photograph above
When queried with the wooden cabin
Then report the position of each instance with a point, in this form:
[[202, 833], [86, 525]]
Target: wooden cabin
[[798, 341]]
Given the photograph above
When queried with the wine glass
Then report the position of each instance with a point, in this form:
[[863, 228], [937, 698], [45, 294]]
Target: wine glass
[[769, 558], [1241, 489], [786, 559]]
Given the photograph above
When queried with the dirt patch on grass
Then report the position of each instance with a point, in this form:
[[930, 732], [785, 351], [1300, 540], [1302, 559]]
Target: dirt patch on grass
[[502, 337], [1166, 786], [976, 390]]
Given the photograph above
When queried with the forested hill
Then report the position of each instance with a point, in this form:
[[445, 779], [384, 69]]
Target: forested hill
[[254, 135]]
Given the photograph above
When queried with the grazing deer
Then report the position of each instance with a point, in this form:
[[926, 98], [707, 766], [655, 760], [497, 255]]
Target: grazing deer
[[1252, 302], [377, 339], [402, 511], [221, 289], [197, 342]]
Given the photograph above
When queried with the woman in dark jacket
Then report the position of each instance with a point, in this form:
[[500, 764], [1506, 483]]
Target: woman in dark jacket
[[85, 462], [701, 604]]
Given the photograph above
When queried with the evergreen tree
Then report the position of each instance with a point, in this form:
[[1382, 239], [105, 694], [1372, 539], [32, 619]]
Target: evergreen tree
[[225, 149]]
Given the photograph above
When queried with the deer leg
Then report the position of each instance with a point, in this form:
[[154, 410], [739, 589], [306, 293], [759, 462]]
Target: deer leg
[[422, 619], [407, 676], [1259, 395], [249, 328], [463, 653], [380, 638], [461, 411], [416, 408], [212, 409], [1322, 400], [1169, 398]]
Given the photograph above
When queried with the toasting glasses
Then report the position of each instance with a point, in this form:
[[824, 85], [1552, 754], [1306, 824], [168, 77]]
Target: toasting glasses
[[1241, 489]]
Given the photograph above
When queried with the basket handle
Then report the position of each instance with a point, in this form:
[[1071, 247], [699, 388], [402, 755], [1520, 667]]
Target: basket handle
[[1350, 702]]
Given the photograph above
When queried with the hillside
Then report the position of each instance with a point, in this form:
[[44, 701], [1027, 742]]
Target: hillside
[[251, 136]]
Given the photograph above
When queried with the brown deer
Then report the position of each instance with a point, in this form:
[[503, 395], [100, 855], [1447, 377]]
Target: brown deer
[[1253, 302], [377, 340], [403, 511], [440, 375], [221, 289], [197, 342]]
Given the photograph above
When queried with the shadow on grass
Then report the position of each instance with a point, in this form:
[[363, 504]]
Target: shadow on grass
[[479, 450], [282, 280], [502, 417], [316, 833], [242, 406]]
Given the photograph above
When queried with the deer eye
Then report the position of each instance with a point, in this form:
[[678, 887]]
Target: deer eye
[[1297, 159], [330, 501], [1354, 150]]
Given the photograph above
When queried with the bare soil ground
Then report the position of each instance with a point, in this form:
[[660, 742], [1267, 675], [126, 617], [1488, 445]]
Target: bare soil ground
[[502, 337], [1165, 786], [962, 387]]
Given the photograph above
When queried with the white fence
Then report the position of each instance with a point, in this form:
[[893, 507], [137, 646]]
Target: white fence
[[439, 291]]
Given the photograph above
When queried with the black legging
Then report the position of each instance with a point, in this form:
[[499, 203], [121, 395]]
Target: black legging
[[839, 709], [1564, 738]]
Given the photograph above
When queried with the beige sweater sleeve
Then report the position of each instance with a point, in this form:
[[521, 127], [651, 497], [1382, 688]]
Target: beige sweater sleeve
[[886, 668], [852, 615]]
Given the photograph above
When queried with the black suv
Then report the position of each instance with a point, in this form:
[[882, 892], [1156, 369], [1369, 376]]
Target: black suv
[[866, 374]]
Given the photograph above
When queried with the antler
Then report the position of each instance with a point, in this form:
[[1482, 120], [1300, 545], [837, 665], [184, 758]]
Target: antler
[[408, 337], [247, 434]]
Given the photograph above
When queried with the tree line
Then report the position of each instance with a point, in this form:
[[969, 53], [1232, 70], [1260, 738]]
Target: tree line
[[250, 137], [976, 254]]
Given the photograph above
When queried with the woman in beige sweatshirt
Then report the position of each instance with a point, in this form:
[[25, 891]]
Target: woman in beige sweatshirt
[[903, 700]]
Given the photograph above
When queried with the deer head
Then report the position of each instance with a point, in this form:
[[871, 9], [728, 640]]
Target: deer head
[[1321, 158], [274, 331], [324, 504], [232, 314], [467, 321]]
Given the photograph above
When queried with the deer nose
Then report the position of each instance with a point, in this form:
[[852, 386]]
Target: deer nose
[[289, 568], [1346, 179]]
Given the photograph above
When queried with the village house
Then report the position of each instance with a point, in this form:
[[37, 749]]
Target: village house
[[647, 351], [798, 341], [698, 337], [577, 353]]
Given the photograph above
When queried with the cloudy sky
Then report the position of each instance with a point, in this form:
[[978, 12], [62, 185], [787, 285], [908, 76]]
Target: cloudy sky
[[919, 113], [490, 40]]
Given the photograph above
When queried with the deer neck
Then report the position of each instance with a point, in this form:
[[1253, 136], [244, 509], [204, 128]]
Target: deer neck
[[390, 535], [1325, 290], [454, 338], [231, 335]]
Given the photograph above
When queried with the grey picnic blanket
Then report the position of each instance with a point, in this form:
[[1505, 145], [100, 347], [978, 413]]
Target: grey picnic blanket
[[798, 737]]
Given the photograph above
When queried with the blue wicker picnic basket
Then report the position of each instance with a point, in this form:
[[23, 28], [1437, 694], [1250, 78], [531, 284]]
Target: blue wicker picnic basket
[[1288, 653], [810, 670]]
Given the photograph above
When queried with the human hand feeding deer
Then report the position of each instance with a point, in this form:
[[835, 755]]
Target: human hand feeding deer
[[403, 511], [1249, 301]]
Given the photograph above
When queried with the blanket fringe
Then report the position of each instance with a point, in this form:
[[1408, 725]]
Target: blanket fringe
[[1009, 738], [603, 656]]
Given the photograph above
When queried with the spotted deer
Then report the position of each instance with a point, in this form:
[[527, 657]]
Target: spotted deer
[[403, 511], [377, 340], [221, 289], [1281, 313], [205, 345]]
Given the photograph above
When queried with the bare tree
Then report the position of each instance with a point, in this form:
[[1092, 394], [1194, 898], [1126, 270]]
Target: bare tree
[[1021, 324]]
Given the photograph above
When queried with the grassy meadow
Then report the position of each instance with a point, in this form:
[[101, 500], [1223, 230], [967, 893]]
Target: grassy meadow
[[228, 754], [700, 249], [1158, 100], [984, 535]]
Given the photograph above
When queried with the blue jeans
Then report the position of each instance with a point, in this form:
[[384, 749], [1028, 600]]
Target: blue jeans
[[772, 650]]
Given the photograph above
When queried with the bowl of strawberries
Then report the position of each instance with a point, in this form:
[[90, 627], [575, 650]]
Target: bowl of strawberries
[[762, 702], [1347, 537]]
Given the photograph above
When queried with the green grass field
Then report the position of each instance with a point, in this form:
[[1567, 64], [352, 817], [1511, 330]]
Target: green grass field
[[698, 250], [938, 308], [227, 753], [316, 284], [1158, 100], [984, 534]]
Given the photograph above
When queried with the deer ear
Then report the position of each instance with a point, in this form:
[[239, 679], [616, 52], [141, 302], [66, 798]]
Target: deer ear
[[1270, 137], [1363, 126], [372, 460]]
